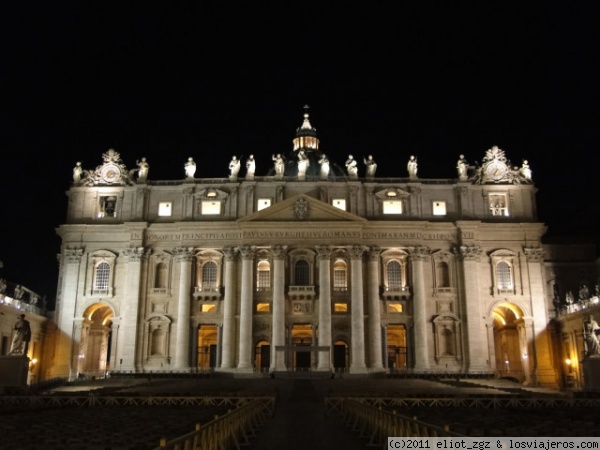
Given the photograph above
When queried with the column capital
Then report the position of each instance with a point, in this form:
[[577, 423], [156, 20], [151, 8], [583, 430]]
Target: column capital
[[419, 252], [134, 254], [373, 253], [470, 252], [534, 254], [230, 253], [324, 251], [74, 254], [183, 254], [356, 251], [246, 251], [279, 251]]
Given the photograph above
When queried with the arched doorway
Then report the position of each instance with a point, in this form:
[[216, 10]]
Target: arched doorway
[[510, 342], [302, 345], [95, 341]]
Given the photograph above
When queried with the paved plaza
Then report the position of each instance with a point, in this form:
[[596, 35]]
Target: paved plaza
[[300, 419]]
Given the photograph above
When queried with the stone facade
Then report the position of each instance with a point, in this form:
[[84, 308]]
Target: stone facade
[[326, 271]]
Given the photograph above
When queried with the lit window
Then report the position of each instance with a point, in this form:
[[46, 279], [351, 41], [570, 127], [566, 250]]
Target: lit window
[[263, 203], [211, 193], [392, 207], [263, 307], [211, 208], [504, 275], [102, 276], [263, 276], [339, 276], [340, 307], [339, 203], [164, 209], [208, 308], [394, 307], [439, 208], [209, 274], [394, 276]]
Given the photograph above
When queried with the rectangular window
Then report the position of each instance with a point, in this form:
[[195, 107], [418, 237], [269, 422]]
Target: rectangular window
[[107, 206], [263, 307], [209, 308], [339, 203], [394, 307], [439, 208], [340, 307], [211, 207], [392, 207], [498, 205], [263, 203], [164, 209]]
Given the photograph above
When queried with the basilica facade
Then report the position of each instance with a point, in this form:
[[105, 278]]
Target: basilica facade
[[314, 266]]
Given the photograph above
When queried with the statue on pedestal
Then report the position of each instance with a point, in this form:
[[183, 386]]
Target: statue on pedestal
[[351, 167], [371, 166], [411, 166], [190, 168], [324, 163], [279, 165], [462, 167], [143, 168], [234, 167], [303, 164], [591, 330], [250, 167], [21, 337]]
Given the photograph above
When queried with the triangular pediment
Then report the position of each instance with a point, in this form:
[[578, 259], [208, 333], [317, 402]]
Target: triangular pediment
[[302, 208]]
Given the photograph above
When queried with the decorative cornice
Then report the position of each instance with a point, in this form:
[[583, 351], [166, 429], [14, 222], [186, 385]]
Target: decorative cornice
[[470, 252], [534, 254]]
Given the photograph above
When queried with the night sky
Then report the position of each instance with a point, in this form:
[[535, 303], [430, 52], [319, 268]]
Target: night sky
[[212, 80]]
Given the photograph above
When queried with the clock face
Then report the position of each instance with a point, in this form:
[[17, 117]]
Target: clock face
[[496, 171], [110, 173]]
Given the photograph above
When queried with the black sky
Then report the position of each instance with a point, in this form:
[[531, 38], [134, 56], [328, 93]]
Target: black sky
[[214, 79]]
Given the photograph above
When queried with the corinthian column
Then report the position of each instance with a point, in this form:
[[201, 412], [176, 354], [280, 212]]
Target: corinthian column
[[539, 338], [324, 358], [184, 257], [418, 256], [278, 338], [374, 311], [245, 357], [357, 364], [476, 337], [129, 309], [228, 347]]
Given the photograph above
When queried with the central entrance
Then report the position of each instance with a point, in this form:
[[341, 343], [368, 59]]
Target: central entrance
[[302, 346]]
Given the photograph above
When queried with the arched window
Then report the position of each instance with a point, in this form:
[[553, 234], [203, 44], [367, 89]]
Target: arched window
[[302, 273], [263, 276], [209, 274], [101, 277], [394, 276], [340, 279], [504, 275], [442, 274], [160, 278]]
